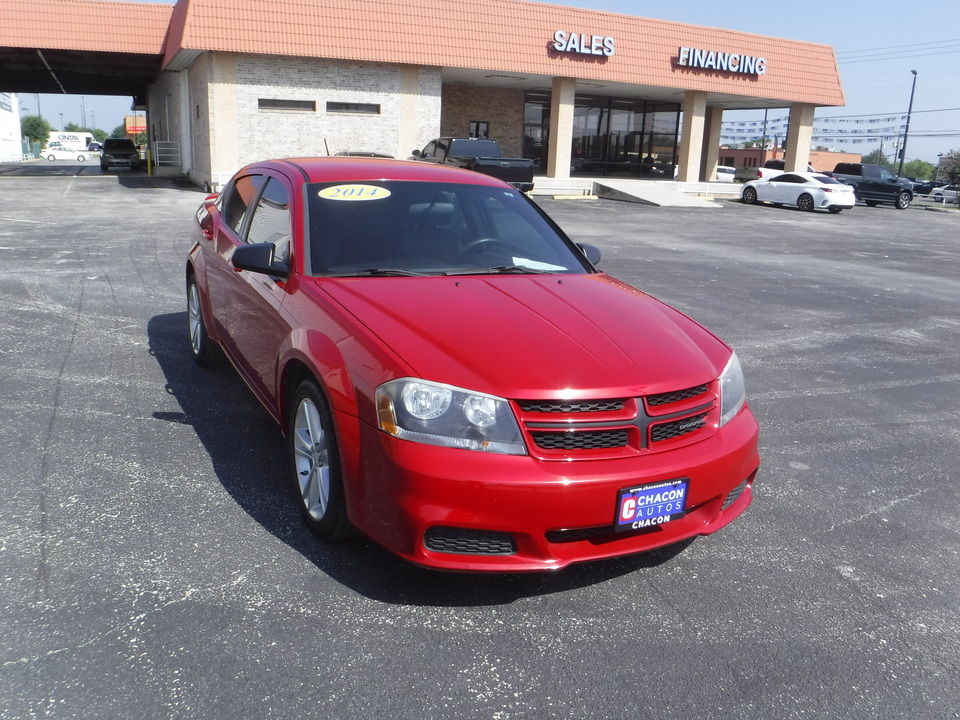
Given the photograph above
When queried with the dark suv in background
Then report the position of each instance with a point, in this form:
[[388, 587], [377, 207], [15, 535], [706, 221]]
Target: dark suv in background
[[119, 152]]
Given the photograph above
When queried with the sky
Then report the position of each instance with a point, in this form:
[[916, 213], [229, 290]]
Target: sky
[[877, 45]]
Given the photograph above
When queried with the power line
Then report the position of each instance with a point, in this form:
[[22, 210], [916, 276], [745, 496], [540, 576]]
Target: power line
[[898, 47], [905, 56]]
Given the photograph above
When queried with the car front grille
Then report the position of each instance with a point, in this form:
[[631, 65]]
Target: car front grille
[[613, 427], [465, 541]]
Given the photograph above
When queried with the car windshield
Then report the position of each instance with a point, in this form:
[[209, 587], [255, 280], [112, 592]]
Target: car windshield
[[424, 228]]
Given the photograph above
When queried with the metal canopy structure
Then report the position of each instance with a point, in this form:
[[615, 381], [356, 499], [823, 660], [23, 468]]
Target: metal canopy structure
[[77, 72], [82, 47]]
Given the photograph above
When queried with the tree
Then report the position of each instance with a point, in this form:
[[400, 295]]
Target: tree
[[878, 158], [35, 128], [98, 135], [919, 169], [951, 165]]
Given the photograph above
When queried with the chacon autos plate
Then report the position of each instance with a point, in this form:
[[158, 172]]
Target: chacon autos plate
[[649, 505]]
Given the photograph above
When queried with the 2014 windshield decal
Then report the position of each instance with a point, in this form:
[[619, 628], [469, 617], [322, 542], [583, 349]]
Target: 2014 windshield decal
[[354, 193]]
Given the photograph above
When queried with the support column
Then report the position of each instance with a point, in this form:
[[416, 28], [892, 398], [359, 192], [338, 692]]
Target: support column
[[711, 144], [799, 136], [691, 137], [561, 127]]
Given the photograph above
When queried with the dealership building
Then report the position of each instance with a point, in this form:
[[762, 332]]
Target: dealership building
[[227, 82]]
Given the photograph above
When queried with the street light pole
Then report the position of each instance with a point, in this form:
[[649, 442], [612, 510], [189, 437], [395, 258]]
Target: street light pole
[[906, 130]]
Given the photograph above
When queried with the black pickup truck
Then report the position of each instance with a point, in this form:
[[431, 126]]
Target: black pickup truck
[[875, 184], [480, 155]]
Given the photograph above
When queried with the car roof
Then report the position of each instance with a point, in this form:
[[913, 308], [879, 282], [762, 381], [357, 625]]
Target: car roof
[[350, 168], [802, 173]]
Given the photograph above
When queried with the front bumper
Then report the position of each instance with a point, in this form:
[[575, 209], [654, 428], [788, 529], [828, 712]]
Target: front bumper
[[469, 511]]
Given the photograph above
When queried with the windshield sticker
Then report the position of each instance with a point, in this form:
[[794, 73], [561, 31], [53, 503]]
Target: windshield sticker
[[354, 193], [537, 265]]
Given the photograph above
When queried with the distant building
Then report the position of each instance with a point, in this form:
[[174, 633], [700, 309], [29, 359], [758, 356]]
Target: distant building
[[11, 147], [755, 157]]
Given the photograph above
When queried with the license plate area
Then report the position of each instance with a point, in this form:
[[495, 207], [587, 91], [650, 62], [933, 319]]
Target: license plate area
[[646, 506]]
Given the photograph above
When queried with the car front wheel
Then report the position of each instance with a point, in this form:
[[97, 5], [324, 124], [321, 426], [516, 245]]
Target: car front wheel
[[202, 348], [51, 158], [805, 202], [315, 463], [749, 196], [903, 201]]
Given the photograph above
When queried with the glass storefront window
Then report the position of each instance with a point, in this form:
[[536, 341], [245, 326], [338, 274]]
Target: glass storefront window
[[611, 136]]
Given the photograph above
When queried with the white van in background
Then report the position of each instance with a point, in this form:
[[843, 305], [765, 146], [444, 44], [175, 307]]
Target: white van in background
[[69, 139]]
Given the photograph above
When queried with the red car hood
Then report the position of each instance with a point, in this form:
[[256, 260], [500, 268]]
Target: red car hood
[[534, 336]]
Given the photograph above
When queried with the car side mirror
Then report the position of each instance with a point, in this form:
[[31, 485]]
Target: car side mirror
[[591, 252], [258, 258], [416, 153]]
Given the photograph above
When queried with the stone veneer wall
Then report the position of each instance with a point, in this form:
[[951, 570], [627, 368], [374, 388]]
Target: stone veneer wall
[[502, 109]]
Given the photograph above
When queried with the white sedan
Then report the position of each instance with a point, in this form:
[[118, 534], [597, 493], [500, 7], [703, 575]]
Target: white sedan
[[806, 190], [947, 192], [64, 153]]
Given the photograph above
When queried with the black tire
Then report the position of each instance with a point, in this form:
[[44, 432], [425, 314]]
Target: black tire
[[81, 158], [749, 196], [205, 352], [805, 202], [903, 200], [315, 463], [834, 209], [871, 203], [51, 158]]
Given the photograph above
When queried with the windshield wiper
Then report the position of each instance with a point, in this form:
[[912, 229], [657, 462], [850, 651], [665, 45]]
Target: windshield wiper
[[390, 272], [505, 270]]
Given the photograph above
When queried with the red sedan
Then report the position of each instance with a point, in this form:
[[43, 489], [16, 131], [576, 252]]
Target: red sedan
[[455, 378]]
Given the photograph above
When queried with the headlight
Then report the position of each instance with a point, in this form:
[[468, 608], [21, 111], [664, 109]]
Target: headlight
[[733, 391], [437, 414]]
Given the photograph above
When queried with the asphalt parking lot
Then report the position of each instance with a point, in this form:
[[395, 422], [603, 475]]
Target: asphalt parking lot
[[153, 565]]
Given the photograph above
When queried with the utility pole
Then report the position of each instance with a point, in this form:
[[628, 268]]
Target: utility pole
[[906, 130]]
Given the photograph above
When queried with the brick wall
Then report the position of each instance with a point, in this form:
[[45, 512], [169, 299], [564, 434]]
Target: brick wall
[[502, 109], [263, 133]]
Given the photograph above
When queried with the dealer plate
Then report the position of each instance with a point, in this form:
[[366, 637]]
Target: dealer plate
[[650, 505]]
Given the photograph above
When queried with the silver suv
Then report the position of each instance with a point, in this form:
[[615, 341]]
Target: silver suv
[[120, 152]]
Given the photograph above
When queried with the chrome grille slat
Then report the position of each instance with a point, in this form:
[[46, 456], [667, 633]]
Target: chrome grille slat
[[576, 406], [616, 425], [677, 396]]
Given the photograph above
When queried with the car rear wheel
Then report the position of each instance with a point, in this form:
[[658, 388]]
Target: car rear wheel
[[749, 196], [834, 209], [51, 158], [903, 201], [202, 347], [805, 202], [315, 463]]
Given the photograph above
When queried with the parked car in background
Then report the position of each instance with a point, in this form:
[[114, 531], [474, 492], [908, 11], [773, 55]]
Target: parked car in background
[[480, 155], [771, 168], [64, 153], [925, 187], [806, 191], [454, 376], [945, 192], [119, 152], [94, 146], [874, 184], [725, 173]]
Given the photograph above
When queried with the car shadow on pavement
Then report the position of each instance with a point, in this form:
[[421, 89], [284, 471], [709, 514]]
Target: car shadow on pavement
[[249, 458]]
